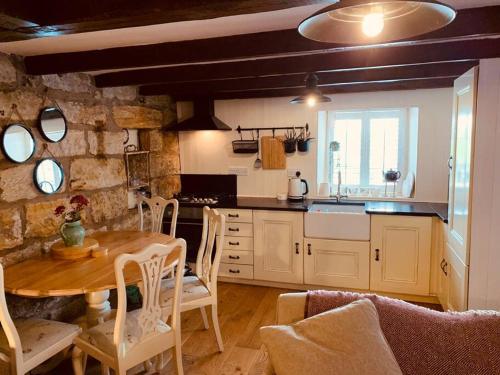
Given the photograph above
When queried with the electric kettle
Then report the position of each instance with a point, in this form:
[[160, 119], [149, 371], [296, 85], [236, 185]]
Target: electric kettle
[[297, 188]]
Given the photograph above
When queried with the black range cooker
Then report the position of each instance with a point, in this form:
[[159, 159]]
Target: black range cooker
[[197, 191]]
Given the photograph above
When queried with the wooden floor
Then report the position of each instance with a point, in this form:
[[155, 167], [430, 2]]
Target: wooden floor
[[243, 309]]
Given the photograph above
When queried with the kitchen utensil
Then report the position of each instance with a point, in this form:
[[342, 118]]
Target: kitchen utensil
[[324, 189], [258, 162], [245, 146], [408, 183], [297, 188], [281, 196], [273, 153]]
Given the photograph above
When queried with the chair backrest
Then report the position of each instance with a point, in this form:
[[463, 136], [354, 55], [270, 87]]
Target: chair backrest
[[152, 261], [157, 205], [16, 356], [214, 225]]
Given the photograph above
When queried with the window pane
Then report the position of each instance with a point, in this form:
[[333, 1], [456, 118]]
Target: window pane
[[384, 147], [348, 134]]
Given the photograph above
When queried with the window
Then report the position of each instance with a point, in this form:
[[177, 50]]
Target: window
[[369, 143]]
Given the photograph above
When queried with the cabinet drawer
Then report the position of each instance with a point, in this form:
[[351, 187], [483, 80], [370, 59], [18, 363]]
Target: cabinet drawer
[[237, 257], [236, 270], [238, 243], [237, 216], [239, 229]]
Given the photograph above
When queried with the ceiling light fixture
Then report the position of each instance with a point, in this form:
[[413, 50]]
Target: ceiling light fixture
[[313, 94], [364, 22]]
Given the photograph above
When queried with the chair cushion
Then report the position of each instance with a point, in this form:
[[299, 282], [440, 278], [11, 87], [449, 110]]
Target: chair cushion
[[101, 336], [38, 334], [344, 341], [193, 288]]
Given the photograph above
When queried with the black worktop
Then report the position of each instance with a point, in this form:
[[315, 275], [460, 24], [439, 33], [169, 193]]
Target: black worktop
[[371, 207]]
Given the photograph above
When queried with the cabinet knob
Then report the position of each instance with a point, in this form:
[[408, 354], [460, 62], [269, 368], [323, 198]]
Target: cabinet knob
[[233, 215], [234, 243], [296, 248], [234, 257], [442, 264], [234, 271], [233, 229], [377, 255], [309, 249], [445, 268]]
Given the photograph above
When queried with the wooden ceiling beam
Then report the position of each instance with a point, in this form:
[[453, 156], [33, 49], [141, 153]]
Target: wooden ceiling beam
[[411, 84], [469, 22], [436, 70], [59, 17], [346, 60]]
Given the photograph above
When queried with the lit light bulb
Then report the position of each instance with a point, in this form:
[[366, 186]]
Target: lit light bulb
[[311, 101], [373, 24]]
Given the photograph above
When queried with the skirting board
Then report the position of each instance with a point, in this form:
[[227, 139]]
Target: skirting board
[[304, 287]]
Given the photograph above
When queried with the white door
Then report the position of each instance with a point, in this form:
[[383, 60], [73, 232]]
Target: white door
[[278, 241], [457, 274], [462, 140], [344, 264], [400, 254]]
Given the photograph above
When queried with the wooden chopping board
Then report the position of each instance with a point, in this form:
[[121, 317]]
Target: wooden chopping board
[[273, 153]]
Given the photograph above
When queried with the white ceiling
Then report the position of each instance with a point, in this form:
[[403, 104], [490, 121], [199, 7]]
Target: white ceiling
[[234, 25]]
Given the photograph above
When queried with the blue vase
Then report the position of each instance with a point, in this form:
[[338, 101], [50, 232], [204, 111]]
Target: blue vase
[[72, 233]]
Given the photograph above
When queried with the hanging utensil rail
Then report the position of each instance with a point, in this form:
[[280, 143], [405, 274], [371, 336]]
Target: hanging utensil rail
[[239, 129]]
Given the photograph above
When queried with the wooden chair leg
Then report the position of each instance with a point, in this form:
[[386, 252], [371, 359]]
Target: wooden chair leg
[[77, 358], [104, 369], [159, 362], [215, 321], [178, 353], [204, 316]]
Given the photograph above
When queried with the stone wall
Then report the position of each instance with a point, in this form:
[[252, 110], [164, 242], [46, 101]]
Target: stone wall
[[92, 157]]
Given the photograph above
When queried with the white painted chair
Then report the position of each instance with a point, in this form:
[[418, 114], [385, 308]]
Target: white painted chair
[[26, 343], [201, 290], [137, 336], [157, 205]]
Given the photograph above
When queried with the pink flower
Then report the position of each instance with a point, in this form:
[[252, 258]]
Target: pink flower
[[59, 210]]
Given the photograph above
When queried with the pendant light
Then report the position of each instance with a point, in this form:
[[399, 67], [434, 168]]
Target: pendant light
[[367, 22], [313, 94]]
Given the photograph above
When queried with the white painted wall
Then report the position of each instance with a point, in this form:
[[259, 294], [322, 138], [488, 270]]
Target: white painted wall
[[211, 152], [484, 274]]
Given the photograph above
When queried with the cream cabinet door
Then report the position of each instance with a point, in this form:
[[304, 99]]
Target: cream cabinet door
[[441, 269], [400, 254], [457, 275], [344, 264], [278, 241], [461, 159]]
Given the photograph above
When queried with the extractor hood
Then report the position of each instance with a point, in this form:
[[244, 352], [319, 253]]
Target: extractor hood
[[203, 118]]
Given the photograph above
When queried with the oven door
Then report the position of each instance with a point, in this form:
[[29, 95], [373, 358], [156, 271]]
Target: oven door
[[189, 227]]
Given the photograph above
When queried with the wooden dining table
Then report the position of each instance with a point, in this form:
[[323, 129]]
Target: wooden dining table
[[45, 276]]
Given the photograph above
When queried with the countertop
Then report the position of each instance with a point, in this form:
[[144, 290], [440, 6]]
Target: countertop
[[371, 207]]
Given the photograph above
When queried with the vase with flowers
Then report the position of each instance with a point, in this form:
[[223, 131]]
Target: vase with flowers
[[71, 229]]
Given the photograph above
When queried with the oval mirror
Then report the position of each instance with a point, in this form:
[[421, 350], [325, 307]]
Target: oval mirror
[[18, 143], [52, 124], [48, 175]]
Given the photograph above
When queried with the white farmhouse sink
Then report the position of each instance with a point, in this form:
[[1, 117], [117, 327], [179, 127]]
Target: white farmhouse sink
[[337, 221]]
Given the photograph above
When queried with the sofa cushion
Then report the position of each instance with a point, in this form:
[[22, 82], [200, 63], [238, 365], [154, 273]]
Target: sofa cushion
[[344, 341], [424, 341]]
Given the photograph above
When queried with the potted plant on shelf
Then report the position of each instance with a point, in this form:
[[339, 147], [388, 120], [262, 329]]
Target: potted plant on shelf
[[71, 229], [290, 141], [303, 140]]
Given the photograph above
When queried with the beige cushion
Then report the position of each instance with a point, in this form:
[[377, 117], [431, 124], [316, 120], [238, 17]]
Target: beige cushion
[[192, 288], [343, 341], [37, 335], [101, 336]]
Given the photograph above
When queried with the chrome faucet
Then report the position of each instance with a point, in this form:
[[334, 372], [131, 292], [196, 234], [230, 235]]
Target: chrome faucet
[[339, 196]]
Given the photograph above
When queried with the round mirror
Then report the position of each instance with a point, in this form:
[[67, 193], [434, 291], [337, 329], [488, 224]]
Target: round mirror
[[52, 124], [18, 143], [48, 176]]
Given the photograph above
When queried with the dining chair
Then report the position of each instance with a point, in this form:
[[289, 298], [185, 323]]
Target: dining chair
[[157, 205], [26, 343], [136, 337], [201, 290]]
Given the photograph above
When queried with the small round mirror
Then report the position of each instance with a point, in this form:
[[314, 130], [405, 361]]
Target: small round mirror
[[18, 143], [48, 176], [52, 124]]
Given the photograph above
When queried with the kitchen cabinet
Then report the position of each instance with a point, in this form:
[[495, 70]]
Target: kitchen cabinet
[[278, 244], [400, 254], [337, 263]]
